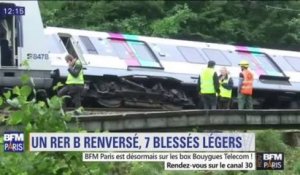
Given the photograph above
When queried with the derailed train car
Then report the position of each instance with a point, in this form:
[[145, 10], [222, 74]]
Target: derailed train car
[[129, 70], [136, 70]]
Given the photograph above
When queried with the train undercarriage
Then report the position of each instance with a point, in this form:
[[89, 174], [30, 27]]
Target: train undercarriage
[[138, 91], [161, 93], [167, 93]]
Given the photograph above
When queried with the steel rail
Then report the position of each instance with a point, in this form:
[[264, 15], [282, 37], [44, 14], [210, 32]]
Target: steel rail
[[185, 120], [191, 119]]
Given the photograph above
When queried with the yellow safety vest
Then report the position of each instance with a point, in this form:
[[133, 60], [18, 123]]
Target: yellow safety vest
[[76, 80], [207, 81], [223, 91]]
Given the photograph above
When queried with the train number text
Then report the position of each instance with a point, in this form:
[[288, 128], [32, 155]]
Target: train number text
[[36, 56]]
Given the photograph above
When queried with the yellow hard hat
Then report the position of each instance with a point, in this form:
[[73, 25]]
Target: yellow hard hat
[[244, 63]]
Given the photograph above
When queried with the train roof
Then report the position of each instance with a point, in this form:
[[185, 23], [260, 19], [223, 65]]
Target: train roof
[[168, 41]]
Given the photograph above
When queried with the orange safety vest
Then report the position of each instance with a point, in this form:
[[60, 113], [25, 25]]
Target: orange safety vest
[[247, 85]]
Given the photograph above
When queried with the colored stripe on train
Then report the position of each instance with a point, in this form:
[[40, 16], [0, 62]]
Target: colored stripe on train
[[132, 60], [135, 58], [147, 62], [264, 62], [250, 57]]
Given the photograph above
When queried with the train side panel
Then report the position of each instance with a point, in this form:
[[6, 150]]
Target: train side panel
[[24, 42], [118, 55]]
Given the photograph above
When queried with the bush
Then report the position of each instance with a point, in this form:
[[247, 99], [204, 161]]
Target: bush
[[38, 116], [270, 140]]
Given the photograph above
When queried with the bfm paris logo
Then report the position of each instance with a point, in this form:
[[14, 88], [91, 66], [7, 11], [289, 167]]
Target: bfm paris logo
[[269, 161], [13, 141]]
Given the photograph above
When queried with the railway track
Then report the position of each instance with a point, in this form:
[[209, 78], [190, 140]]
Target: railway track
[[189, 119], [102, 111], [117, 111], [128, 120], [120, 109]]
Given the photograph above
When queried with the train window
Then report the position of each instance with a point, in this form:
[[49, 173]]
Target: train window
[[217, 56], [191, 54], [247, 56], [260, 63], [142, 51], [54, 45], [170, 53], [266, 64], [294, 62], [88, 45], [121, 49], [102, 46]]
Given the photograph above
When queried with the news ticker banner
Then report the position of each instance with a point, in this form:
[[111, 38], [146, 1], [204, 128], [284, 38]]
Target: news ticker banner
[[196, 160], [176, 142], [181, 161], [179, 151]]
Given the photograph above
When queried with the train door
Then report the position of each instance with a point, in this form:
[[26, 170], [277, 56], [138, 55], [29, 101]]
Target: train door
[[10, 38], [72, 46]]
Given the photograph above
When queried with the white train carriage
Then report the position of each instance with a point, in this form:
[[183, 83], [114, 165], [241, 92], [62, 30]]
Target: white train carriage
[[23, 44], [144, 67]]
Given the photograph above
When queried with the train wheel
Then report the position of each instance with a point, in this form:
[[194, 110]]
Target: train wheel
[[107, 97]]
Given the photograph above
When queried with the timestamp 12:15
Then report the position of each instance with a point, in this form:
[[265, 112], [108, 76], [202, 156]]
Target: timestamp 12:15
[[16, 10]]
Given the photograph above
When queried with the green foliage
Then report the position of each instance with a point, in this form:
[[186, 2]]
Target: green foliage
[[146, 169], [270, 137], [7, 94], [57, 86], [25, 64], [172, 24], [37, 116], [1, 101], [25, 79], [297, 168]]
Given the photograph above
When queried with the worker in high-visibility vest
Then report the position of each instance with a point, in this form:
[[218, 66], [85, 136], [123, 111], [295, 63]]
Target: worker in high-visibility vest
[[75, 81], [245, 88], [208, 86], [226, 85]]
